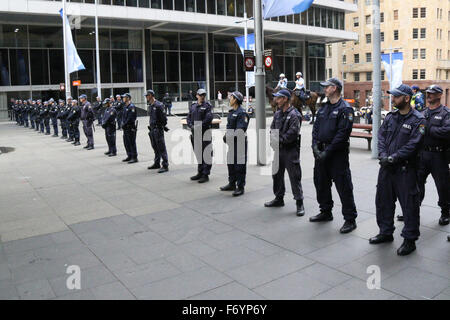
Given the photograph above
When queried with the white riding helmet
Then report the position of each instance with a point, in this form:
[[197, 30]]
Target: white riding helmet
[[299, 74], [282, 75]]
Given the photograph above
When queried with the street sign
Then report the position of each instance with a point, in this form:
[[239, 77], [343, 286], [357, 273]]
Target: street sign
[[249, 60], [268, 60], [76, 83]]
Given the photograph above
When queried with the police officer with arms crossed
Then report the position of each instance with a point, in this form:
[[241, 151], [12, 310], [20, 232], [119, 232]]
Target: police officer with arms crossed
[[87, 116], [399, 140], [235, 137], [287, 151], [156, 128], [435, 154], [73, 118], [109, 124], [129, 129], [199, 121], [330, 144]]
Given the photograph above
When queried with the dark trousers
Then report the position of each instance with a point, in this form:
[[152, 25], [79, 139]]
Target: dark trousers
[[436, 164], [25, 120], [42, 125], [119, 120], [129, 141], [398, 183], [237, 162], [87, 128], [287, 159], [159, 146], [75, 125], [110, 135], [37, 123], [47, 125], [63, 127], [335, 168], [204, 165], [32, 123], [70, 130], [55, 125]]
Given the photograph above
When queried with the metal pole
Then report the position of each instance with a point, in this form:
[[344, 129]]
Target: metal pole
[[97, 53], [66, 74], [376, 90], [246, 48], [390, 78], [260, 112]]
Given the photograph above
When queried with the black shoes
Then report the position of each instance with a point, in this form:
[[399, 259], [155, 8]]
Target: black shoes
[[55, 135], [229, 187], [323, 216], [444, 219], [163, 169], [134, 160], [154, 166], [204, 178], [407, 247], [76, 143], [112, 154], [349, 226], [90, 148], [448, 238], [400, 218], [107, 153], [300, 209], [196, 177], [277, 202], [381, 238], [238, 192], [126, 159], [86, 146]]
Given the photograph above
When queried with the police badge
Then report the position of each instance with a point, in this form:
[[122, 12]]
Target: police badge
[[350, 116], [422, 129]]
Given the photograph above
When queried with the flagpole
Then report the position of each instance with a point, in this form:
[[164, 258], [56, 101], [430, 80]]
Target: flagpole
[[97, 53], [66, 74], [376, 91]]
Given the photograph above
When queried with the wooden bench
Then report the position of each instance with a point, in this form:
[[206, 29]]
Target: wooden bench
[[215, 124], [366, 134]]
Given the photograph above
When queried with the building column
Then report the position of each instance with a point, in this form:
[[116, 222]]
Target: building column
[[3, 106]]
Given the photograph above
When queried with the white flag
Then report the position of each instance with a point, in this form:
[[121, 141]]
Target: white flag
[[73, 60]]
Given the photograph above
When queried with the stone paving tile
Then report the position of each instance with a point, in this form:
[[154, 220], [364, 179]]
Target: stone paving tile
[[112, 291], [230, 291], [8, 290], [231, 258], [35, 290]]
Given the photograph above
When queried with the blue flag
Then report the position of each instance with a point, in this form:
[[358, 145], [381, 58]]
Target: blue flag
[[397, 68], [276, 8], [73, 59]]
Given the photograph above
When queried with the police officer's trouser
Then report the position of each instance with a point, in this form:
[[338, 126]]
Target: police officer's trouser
[[398, 182], [237, 161], [32, 122], [287, 159], [159, 146], [55, 125], [119, 120], [204, 160], [42, 125], [63, 127], [37, 123], [87, 128], [335, 168], [129, 141], [47, 125], [70, 130], [76, 129], [110, 135], [25, 119], [436, 164]]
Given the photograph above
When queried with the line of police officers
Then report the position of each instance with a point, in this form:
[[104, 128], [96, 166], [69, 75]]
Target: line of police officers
[[411, 145]]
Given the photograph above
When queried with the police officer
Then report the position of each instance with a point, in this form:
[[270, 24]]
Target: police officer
[[399, 140], [235, 137], [97, 106], [26, 113], [32, 114], [11, 109], [109, 124], [37, 119], [16, 111], [417, 100], [87, 117], [157, 126], [61, 116], [20, 113], [300, 86], [44, 114], [74, 121], [199, 120], [119, 105], [167, 104], [53, 113], [282, 83], [129, 129], [433, 158], [331, 133], [285, 140], [70, 130]]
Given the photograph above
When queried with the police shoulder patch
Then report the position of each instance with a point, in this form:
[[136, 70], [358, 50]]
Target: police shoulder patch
[[422, 129], [350, 116]]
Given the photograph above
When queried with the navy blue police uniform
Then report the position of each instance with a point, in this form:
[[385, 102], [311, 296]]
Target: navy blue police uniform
[[157, 123], [120, 108], [46, 118], [74, 121], [129, 131], [26, 113], [53, 112], [87, 117], [109, 124]]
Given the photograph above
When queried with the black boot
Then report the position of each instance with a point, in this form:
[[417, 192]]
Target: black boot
[[349, 226], [204, 178], [381, 238], [238, 192], [300, 208], [134, 160], [126, 159], [323, 216], [77, 143], [154, 166], [90, 148], [444, 219], [107, 153], [196, 177], [231, 186], [277, 202], [112, 154], [163, 169], [407, 247]]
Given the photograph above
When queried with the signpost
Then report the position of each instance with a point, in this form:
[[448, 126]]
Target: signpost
[[249, 60], [268, 61]]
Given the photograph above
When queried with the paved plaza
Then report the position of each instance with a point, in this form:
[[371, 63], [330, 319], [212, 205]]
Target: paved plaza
[[137, 234]]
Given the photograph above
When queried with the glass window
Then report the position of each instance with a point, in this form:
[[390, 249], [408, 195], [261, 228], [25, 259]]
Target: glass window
[[164, 40], [321, 69], [156, 4], [324, 18], [179, 5], [201, 6], [240, 8], [211, 6], [297, 18], [304, 18], [168, 4], [119, 39], [218, 67], [317, 17], [293, 48], [39, 66], [311, 16], [221, 7], [190, 5], [172, 66], [231, 8], [192, 41], [158, 62], [14, 36], [135, 73], [288, 68], [199, 67], [225, 44], [368, 57], [118, 2], [85, 38], [4, 68], [415, 53], [186, 66], [132, 3], [312, 69], [423, 53], [87, 57], [422, 74], [57, 66], [240, 67], [119, 66], [105, 66], [144, 3], [19, 67], [172, 88], [103, 39], [316, 50], [381, 16], [46, 37]]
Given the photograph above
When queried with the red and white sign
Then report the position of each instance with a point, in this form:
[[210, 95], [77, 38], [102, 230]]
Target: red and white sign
[[249, 63], [268, 62]]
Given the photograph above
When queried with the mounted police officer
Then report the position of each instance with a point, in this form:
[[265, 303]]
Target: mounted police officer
[[300, 89], [119, 105], [156, 128], [199, 120], [53, 114], [330, 144], [285, 140], [435, 153], [282, 83], [74, 122], [129, 129], [399, 140], [236, 139], [87, 117], [109, 124], [417, 100]]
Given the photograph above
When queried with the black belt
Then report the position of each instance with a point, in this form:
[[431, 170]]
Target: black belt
[[434, 149]]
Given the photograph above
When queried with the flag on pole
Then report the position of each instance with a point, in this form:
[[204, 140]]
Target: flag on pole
[[73, 59], [276, 8], [251, 46], [397, 68]]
